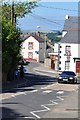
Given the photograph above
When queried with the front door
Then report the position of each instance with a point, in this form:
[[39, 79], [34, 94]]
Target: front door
[[53, 64], [77, 66]]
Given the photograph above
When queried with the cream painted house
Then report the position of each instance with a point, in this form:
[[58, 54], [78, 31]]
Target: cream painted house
[[33, 48]]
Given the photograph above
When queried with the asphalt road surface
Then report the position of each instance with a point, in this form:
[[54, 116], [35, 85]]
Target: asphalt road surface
[[34, 101], [31, 103]]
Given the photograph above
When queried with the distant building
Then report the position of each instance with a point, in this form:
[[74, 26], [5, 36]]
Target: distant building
[[69, 46], [33, 48], [54, 57]]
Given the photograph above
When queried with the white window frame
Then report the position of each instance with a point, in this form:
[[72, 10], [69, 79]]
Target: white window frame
[[67, 65]]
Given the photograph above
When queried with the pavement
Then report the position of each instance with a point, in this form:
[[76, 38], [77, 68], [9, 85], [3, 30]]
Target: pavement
[[47, 70]]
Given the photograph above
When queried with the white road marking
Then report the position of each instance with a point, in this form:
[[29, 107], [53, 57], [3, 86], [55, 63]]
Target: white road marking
[[47, 91], [34, 114], [24, 93], [44, 110], [55, 103], [42, 87], [60, 92], [45, 107], [60, 98], [29, 117], [34, 91], [12, 95]]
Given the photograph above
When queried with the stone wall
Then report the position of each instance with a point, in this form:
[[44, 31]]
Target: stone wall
[[47, 62]]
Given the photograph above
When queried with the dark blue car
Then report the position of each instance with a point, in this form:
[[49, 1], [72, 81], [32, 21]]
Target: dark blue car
[[67, 76]]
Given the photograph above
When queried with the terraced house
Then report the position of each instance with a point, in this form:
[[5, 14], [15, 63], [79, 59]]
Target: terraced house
[[69, 46]]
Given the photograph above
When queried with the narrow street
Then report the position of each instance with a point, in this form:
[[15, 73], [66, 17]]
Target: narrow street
[[43, 98]]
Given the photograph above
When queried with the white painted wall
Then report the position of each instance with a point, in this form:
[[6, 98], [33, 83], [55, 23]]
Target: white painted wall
[[56, 47], [74, 53], [25, 49], [79, 50]]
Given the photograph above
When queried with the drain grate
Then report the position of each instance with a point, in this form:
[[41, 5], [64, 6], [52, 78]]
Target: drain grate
[[73, 109]]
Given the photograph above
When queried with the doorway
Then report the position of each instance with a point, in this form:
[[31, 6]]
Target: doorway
[[53, 64], [78, 67]]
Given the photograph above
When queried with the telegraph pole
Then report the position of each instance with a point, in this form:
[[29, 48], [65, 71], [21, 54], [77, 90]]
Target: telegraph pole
[[12, 12]]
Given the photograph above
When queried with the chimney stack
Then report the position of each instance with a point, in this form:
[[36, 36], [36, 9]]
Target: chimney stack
[[38, 33], [67, 16]]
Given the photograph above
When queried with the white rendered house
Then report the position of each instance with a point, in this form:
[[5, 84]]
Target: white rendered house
[[33, 48], [69, 46]]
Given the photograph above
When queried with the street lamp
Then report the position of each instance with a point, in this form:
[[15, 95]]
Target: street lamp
[[38, 26]]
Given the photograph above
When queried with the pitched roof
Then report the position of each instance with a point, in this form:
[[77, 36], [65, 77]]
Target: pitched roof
[[38, 38], [73, 30]]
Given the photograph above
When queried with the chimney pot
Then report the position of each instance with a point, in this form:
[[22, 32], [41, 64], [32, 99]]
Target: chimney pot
[[67, 16]]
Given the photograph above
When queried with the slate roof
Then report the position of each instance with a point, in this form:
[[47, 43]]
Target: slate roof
[[73, 30], [38, 38]]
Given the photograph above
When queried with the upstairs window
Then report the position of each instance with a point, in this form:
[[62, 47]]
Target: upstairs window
[[30, 45], [67, 49]]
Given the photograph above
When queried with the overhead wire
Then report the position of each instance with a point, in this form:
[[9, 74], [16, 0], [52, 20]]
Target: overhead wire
[[48, 20], [59, 8], [35, 15]]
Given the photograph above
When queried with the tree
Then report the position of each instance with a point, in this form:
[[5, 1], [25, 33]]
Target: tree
[[20, 9], [11, 44], [51, 36], [11, 41], [54, 37]]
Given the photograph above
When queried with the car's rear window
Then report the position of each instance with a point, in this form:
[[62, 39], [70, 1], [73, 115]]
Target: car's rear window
[[68, 73]]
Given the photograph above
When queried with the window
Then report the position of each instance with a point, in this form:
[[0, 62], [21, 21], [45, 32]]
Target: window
[[67, 48], [68, 52], [30, 55], [30, 45], [67, 65]]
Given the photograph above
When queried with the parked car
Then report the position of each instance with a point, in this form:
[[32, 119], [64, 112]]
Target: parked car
[[67, 76]]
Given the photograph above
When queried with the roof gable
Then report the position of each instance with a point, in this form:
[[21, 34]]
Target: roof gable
[[38, 38]]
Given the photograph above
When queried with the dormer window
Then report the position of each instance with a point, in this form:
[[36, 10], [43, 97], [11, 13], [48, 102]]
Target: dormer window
[[64, 33]]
